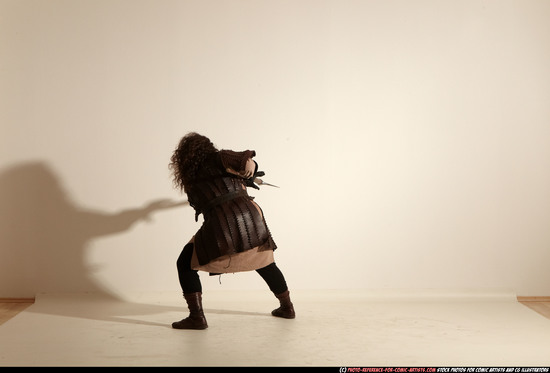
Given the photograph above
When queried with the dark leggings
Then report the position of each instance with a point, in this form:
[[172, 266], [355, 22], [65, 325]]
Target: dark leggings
[[190, 282]]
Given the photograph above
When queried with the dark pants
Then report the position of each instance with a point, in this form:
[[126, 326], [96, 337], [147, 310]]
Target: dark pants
[[190, 282]]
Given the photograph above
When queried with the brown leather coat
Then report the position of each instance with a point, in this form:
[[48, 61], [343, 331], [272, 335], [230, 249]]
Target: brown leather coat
[[233, 223]]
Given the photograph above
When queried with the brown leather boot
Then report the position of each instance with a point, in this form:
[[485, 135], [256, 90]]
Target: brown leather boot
[[196, 319], [286, 310]]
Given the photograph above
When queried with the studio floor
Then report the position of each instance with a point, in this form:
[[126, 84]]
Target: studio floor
[[332, 328]]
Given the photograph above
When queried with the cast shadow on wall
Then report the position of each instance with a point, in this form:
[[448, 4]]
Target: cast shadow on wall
[[44, 235]]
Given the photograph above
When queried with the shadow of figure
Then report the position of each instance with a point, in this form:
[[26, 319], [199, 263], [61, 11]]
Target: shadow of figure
[[44, 236], [43, 240]]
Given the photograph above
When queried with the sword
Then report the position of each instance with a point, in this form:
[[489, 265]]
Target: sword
[[255, 181], [261, 182]]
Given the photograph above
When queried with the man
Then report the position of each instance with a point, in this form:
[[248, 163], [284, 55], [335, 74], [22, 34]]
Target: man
[[234, 236]]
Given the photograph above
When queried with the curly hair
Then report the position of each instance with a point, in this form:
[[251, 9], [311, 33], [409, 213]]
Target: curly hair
[[188, 157]]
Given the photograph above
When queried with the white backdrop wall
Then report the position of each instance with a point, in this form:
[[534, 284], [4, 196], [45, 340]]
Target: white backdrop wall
[[409, 139]]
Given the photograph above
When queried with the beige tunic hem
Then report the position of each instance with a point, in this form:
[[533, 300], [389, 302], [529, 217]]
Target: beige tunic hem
[[249, 260]]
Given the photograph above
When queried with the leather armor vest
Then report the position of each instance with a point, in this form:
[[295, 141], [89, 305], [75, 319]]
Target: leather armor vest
[[232, 222]]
